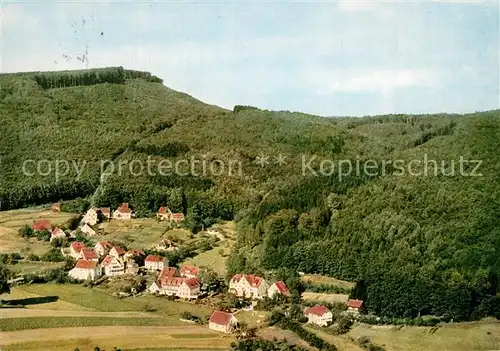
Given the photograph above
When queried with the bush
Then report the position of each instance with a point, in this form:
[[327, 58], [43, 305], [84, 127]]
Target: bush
[[33, 257], [53, 255]]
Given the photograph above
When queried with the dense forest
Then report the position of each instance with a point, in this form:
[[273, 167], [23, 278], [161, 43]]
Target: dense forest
[[418, 243]]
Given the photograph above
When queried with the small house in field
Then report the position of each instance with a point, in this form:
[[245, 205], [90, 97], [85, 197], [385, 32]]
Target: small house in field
[[189, 271], [278, 288], [87, 230], [56, 207], [123, 212], [57, 233], [85, 270], [177, 218], [354, 306], [41, 225], [112, 266], [102, 248], [155, 263], [106, 212], [222, 321], [319, 315], [88, 254], [248, 286], [164, 213], [75, 248], [117, 251], [91, 217]]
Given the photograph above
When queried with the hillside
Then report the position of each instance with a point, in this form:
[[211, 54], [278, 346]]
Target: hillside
[[418, 244]]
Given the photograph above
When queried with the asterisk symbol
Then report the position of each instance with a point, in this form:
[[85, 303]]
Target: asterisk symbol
[[262, 160], [280, 160]]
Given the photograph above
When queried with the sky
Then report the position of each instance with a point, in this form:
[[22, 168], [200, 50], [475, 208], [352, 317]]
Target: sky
[[331, 58]]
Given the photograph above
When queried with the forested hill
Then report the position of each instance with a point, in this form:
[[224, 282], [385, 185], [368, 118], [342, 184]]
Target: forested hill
[[418, 242]]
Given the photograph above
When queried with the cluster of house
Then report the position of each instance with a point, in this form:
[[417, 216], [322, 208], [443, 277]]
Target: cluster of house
[[254, 287], [321, 315], [183, 282], [110, 260]]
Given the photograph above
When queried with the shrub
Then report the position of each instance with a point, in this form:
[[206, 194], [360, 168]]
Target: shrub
[[53, 255], [33, 257]]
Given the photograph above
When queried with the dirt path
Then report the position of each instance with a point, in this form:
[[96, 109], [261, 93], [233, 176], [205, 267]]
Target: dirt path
[[53, 334], [22, 312]]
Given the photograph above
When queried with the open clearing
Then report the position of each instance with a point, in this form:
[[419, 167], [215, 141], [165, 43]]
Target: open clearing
[[321, 297], [484, 335], [272, 333], [317, 279], [343, 342], [189, 336], [12, 221]]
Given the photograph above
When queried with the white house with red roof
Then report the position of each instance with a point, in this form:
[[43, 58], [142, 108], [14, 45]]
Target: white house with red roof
[[319, 315], [106, 212], [177, 217], [91, 217], [113, 266], [102, 248], [155, 263], [189, 289], [41, 225], [354, 306], [171, 284], [278, 287], [249, 286], [164, 213], [57, 233], [88, 230], [85, 270], [189, 271], [123, 212], [222, 321], [117, 251], [88, 254], [75, 248]]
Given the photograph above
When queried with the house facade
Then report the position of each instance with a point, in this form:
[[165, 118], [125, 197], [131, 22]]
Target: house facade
[[85, 270], [189, 289], [279, 288], [319, 315], [102, 248], [222, 321], [75, 248], [248, 286], [112, 266], [189, 271], [117, 251], [91, 217], [164, 213], [354, 306], [106, 212], [123, 212], [88, 254], [155, 263], [177, 218], [87, 229], [57, 233]]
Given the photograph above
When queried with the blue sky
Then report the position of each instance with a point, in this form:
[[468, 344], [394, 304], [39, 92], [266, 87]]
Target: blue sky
[[327, 58]]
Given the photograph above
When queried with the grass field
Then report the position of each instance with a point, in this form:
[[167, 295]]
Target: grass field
[[23, 267], [12, 221], [343, 342], [484, 335], [321, 297], [133, 337], [322, 279]]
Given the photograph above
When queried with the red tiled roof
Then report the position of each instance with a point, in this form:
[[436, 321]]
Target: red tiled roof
[[192, 282], [253, 280], [154, 258], [163, 210], [318, 310], [136, 252], [282, 288], [105, 244], [220, 318], [84, 264], [355, 303], [57, 232], [176, 281], [119, 250], [177, 216], [88, 254], [236, 278], [124, 208], [106, 261], [191, 270], [77, 245], [167, 272], [41, 224], [105, 209]]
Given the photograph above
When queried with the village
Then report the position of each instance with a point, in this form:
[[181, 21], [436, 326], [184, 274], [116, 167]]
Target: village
[[107, 261]]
